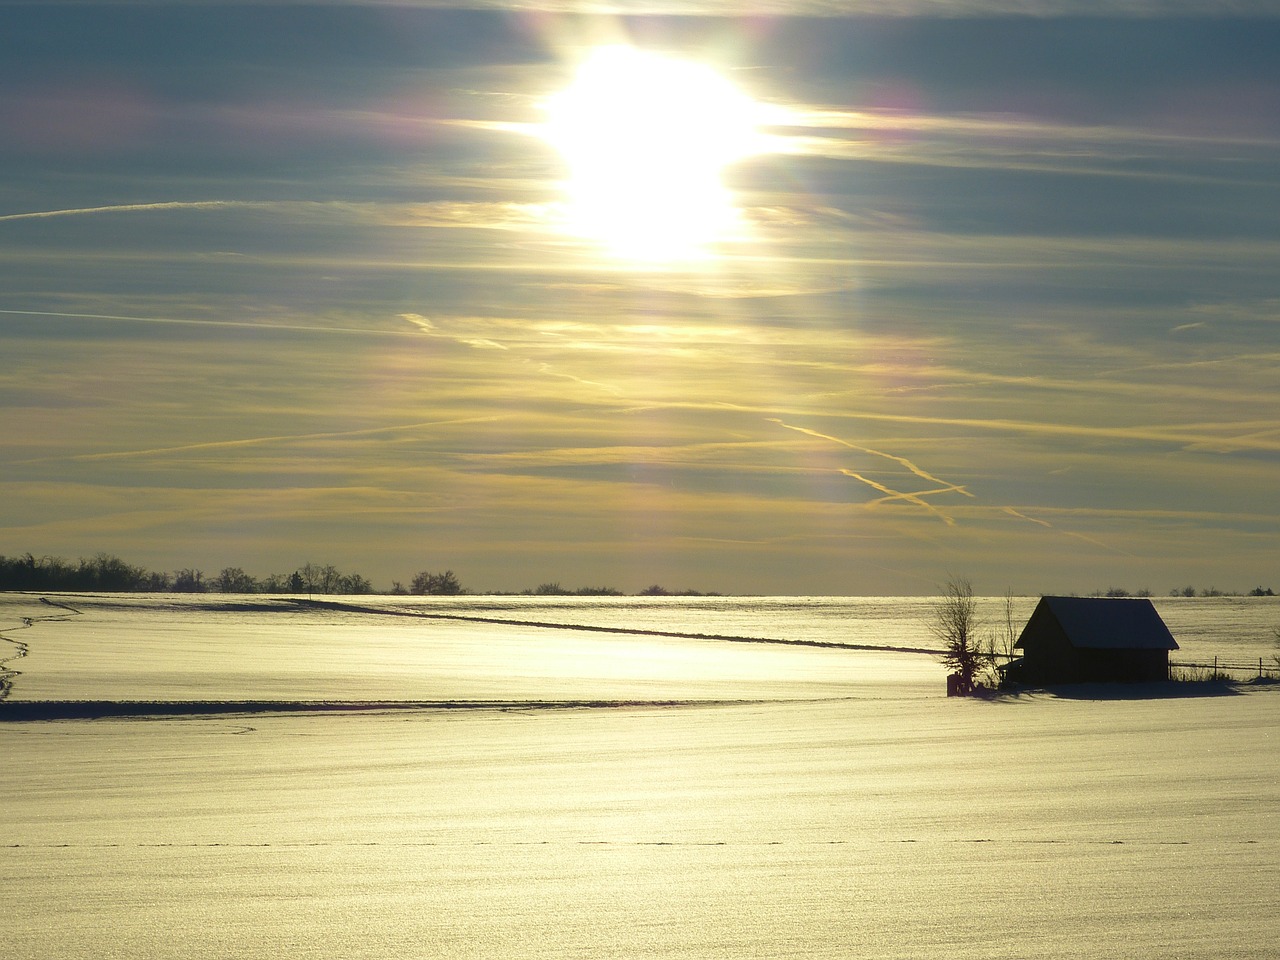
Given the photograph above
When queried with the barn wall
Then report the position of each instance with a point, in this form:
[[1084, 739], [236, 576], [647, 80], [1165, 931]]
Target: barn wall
[[1126, 666], [1047, 655]]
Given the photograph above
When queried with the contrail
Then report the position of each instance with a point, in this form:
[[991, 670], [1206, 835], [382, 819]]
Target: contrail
[[130, 208], [917, 498], [918, 493], [922, 474], [1022, 516], [187, 322], [255, 441], [896, 495], [1066, 533]]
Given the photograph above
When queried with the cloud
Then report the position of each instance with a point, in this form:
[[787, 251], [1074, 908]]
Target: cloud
[[149, 452], [261, 326], [1224, 439], [1135, 9], [1026, 143]]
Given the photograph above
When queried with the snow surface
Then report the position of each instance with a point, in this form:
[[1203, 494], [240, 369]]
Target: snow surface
[[834, 812]]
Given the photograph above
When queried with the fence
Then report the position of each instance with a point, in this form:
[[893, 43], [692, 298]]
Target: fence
[[1229, 668]]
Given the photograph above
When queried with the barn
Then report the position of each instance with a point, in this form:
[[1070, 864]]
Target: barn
[[1089, 639]]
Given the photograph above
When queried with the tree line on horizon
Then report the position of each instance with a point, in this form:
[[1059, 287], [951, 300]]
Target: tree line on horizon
[[1189, 591], [108, 573]]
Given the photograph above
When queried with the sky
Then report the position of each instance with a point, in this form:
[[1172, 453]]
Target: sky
[[984, 289]]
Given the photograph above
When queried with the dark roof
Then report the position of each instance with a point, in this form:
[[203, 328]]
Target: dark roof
[[1105, 623]]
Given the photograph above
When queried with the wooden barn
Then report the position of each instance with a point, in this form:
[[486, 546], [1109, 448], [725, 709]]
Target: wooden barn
[[1089, 639]]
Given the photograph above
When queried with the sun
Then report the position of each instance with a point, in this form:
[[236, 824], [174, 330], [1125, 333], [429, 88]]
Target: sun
[[646, 138]]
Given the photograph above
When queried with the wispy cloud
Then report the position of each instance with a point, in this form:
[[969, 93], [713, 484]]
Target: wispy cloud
[[1225, 437], [796, 8], [333, 309], [1026, 143], [280, 439]]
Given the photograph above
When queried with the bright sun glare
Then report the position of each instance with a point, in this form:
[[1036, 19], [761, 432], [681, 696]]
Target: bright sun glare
[[646, 138]]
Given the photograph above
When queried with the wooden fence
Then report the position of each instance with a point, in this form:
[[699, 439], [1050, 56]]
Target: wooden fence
[[1230, 668]]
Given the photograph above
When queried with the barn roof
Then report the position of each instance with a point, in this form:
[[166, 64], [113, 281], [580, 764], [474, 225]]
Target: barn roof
[[1105, 623]]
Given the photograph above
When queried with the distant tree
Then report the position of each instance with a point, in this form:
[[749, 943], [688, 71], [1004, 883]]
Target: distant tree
[[598, 592], [311, 575], [189, 581], [397, 589], [353, 583], [436, 584], [955, 625], [107, 572], [655, 591], [1187, 591], [1260, 592], [551, 590], [330, 580], [446, 584], [274, 583], [1117, 592], [235, 580], [157, 581], [22, 573]]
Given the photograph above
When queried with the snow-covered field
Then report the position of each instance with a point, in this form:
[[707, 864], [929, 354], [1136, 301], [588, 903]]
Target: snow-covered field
[[781, 801]]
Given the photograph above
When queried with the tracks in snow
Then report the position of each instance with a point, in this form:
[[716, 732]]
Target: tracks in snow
[[8, 673]]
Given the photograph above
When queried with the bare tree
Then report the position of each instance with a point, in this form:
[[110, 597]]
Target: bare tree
[[235, 580], [956, 626], [1007, 632], [310, 575], [188, 581], [436, 584]]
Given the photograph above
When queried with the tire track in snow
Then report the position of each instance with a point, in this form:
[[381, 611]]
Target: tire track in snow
[[8, 674]]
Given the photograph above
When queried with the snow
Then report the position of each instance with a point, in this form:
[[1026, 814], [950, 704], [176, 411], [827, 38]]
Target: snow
[[829, 812]]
